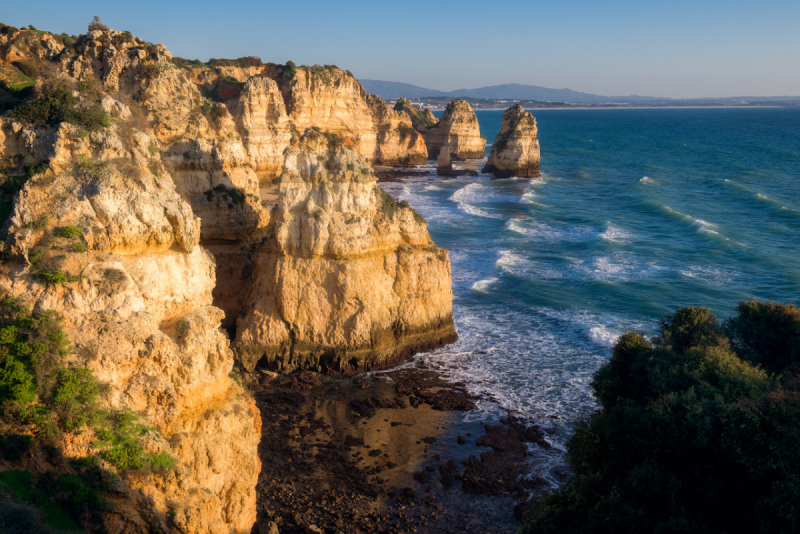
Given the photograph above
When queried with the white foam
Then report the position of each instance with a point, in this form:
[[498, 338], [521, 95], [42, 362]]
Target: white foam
[[482, 286], [469, 195], [615, 234], [544, 232], [602, 336], [646, 180]]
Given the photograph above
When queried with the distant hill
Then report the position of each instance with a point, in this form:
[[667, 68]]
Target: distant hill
[[395, 90]]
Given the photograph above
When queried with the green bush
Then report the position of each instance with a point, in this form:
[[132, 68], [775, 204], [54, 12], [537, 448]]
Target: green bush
[[39, 390], [28, 68], [58, 105], [69, 231], [693, 435], [234, 194], [20, 485]]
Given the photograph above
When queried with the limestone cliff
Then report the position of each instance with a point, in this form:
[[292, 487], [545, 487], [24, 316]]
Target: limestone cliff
[[399, 144], [101, 235], [421, 120], [350, 280], [297, 98], [143, 212], [458, 132], [515, 151]]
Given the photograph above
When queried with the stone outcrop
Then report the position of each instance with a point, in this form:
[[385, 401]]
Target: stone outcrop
[[326, 97], [398, 143], [515, 151], [457, 131], [421, 120], [351, 280], [134, 286], [181, 231]]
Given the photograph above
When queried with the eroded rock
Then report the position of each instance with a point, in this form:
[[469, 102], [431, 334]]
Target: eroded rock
[[515, 151]]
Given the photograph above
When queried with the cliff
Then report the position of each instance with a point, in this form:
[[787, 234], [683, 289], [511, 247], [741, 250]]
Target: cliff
[[100, 235], [421, 120], [297, 98], [142, 213], [351, 280], [515, 151], [458, 132]]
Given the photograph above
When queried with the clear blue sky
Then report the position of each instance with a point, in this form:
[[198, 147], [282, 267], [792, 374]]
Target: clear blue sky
[[671, 48]]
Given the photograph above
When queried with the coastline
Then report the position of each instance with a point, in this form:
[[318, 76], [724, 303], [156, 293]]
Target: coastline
[[391, 451]]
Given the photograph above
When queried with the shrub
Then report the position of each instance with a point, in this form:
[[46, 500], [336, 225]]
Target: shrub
[[58, 105], [234, 194], [69, 231], [28, 68], [388, 204], [691, 435], [97, 25], [80, 247], [37, 387], [20, 485]]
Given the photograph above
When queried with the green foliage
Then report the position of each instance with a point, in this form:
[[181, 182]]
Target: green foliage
[[80, 247], [28, 68], [20, 485], [69, 231], [14, 183], [693, 435], [90, 171], [388, 204], [234, 195], [183, 328], [766, 333], [290, 69], [121, 439], [13, 446], [37, 389], [57, 105], [97, 25], [230, 80], [56, 276]]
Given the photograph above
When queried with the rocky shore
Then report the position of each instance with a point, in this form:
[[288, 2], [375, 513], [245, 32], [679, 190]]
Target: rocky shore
[[386, 452]]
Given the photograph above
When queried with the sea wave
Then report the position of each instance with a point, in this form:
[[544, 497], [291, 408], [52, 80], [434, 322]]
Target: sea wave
[[614, 234], [483, 286], [545, 232], [471, 194]]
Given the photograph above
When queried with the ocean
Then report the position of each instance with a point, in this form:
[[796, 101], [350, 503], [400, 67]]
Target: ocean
[[637, 212]]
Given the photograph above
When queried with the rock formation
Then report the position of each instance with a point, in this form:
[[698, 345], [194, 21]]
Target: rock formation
[[398, 143], [421, 120], [515, 151], [324, 97], [351, 280], [173, 231], [459, 131]]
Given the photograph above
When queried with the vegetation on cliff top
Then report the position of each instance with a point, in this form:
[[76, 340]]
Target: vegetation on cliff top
[[699, 431]]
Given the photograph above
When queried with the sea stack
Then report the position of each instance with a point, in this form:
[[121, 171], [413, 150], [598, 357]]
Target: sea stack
[[350, 279], [515, 151], [421, 119], [458, 130]]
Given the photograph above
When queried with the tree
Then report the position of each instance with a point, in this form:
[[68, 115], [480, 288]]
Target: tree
[[693, 434]]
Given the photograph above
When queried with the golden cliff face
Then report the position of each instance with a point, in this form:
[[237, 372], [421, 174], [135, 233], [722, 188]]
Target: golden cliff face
[[515, 151], [136, 295], [273, 101], [180, 232], [351, 280], [457, 132]]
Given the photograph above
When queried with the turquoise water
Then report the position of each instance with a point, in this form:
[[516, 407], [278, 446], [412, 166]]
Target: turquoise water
[[637, 213]]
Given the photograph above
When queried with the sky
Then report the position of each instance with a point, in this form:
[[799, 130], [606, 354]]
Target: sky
[[677, 48]]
